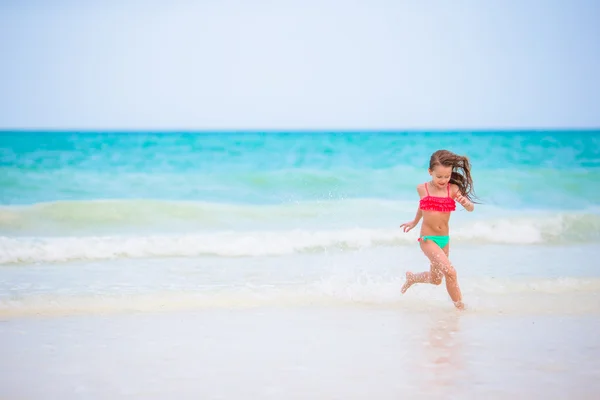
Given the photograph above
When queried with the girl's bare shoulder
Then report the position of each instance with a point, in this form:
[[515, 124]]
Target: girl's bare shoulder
[[454, 190]]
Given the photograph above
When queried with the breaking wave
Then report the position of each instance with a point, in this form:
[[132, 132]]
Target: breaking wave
[[560, 229]]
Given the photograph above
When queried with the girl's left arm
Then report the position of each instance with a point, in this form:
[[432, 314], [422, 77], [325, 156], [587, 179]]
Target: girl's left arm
[[462, 200]]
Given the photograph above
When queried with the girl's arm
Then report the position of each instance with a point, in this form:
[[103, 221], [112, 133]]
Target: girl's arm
[[411, 224], [418, 216], [421, 193], [462, 200], [467, 204]]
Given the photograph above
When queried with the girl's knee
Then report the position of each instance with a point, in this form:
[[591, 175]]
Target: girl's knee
[[436, 278], [450, 272]]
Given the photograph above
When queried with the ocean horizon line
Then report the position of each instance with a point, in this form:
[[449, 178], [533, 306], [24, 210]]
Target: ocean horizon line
[[529, 130]]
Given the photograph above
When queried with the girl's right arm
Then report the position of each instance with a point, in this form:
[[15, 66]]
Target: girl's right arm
[[411, 224], [421, 193], [418, 216]]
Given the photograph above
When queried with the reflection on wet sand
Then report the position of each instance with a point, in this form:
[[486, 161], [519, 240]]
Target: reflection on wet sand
[[442, 350]]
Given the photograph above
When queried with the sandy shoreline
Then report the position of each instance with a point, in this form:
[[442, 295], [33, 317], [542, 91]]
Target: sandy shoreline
[[300, 354]]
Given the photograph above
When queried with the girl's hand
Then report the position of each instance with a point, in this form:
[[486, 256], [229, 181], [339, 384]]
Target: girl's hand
[[408, 225], [462, 200]]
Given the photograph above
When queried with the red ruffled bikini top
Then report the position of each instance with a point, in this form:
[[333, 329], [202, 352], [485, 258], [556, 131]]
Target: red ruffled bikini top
[[433, 203]]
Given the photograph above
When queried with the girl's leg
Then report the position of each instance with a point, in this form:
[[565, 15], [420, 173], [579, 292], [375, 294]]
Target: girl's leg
[[440, 266], [433, 276]]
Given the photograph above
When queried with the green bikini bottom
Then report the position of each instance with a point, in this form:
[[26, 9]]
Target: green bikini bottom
[[441, 241]]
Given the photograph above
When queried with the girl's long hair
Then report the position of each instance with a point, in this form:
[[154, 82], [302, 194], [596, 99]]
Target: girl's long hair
[[461, 171]]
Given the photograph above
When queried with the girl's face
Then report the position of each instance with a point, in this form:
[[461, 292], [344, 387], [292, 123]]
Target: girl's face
[[440, 175]]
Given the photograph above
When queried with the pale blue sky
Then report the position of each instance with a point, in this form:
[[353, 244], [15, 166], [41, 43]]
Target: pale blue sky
[[299, 64]]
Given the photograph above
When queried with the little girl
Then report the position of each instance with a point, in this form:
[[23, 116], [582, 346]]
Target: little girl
[[451, 181]]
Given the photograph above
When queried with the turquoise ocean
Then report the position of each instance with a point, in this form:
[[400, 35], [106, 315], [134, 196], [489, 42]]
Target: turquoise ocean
[[269, 265], [81, 196], [70, 197]]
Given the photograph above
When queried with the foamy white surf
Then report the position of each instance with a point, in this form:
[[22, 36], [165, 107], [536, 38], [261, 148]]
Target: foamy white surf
[[543, 296], [551, 230], [546, 280]]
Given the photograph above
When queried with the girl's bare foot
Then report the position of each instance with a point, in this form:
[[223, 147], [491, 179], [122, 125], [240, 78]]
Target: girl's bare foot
[[459, 304], [410, 279]]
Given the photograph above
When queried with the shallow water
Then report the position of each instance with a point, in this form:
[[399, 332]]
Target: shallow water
[[532, 280]]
